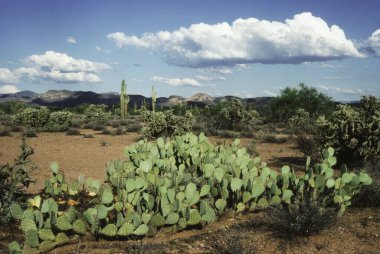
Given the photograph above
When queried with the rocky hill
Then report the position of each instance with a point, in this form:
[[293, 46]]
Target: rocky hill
[[66, 98]]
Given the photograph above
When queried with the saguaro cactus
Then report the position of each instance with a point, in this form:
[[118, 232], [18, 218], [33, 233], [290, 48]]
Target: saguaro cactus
[[124, 100], [153, 99]]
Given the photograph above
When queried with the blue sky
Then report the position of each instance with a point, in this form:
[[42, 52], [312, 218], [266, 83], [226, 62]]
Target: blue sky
[[244, 48]]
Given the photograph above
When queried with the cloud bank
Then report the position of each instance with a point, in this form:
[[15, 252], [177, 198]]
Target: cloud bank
[[353, 91], [8, 89], [374, 42], [57, 67], [304, 38], [7, 76], [177, 81]]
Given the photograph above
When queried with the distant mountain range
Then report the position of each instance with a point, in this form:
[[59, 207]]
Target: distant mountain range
[[66, 98]]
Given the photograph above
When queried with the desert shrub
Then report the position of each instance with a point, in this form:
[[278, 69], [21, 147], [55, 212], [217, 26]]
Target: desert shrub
[[106, 131], [304, 218], [317, 199], [5, 132], [12, 107], [300, 122], [134, 127], [226, 134], [96, 114], [32, 117], [123, 122], [98, 127], [353, 132], [114, 123], [234, 115], [103, 142], [166, 124], [60, 118], [302, 129], [88, 136], [72, 132], [285, 105], [16, 128], [30, 133], [13, 177], [230, 115], [274, 139], [252, 149], [118, 131], [88, 126]]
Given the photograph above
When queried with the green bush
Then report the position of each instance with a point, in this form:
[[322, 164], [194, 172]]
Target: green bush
[[32, 117], [12, 107], [13, 177], [353, 132], [229, 115], [72, 132], [96, 114], [60, 118], [302, 128], [5, 132], [29, 133], [290, 100], [166, 124], [234, 115]]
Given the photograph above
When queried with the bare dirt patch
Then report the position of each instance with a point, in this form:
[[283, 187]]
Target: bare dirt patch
[[75, 155]]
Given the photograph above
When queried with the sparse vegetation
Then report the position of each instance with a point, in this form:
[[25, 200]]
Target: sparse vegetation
[[12, 178], [179, 180]]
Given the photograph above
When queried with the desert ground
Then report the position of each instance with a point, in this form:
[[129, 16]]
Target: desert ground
[[357, 232]]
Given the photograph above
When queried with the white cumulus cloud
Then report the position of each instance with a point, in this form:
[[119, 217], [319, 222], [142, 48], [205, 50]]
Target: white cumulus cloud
[[210, 78], [7, 76], [61, 67], [374, 42], [57, 67], [304, 38], [8, 89], [71, 40], [177, 81]]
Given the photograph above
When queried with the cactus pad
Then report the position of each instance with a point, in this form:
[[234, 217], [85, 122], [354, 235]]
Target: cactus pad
[[63, 223], [16, 211], [79, 227], [47, 246], [157, 220], [126, 229], [46, 234], [61, 239], [141, 230], [32, 238], [109, 230], [195, 218], [28, 224]]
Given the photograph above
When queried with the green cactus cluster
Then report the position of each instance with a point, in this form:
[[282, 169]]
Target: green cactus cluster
[[179, 183], [58, 186], [43, 226], [354, 132], [166, 124]]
